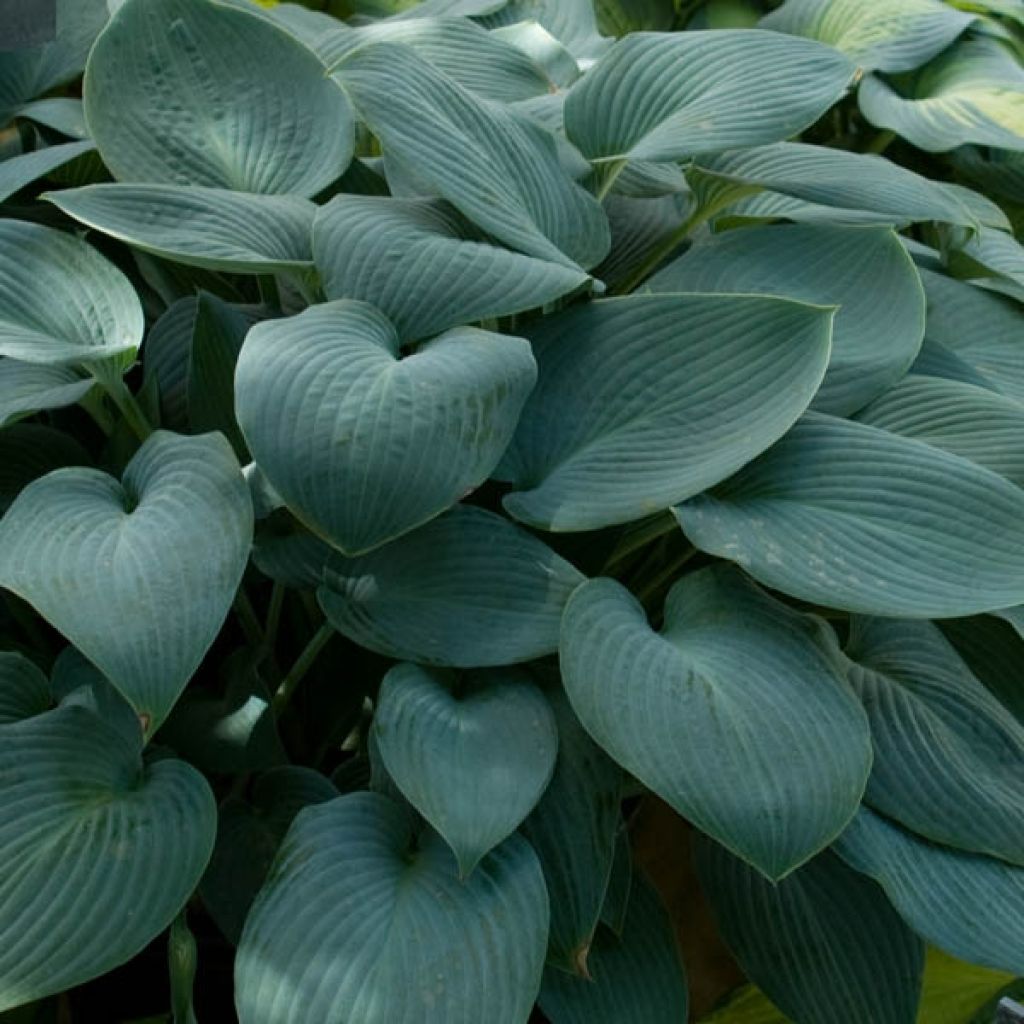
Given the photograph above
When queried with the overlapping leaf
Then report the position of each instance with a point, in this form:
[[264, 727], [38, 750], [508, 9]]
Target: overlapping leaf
[[26, 388], [429, 948], [24, 690], [468, 589], [365, 446], [138, 574], [645, 400], [19, 171], [851, 516], [774, 765]]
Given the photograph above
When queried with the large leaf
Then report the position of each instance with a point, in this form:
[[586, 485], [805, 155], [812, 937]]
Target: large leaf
[[467, 589], [851, 516], [497, 168], [864, 271], [961, 418], [645, 400], [472, 753], [949, 758], [967, 904], [973, 93], [26, 388], [973, 336], [665, 96], [359, 920], [574, 831], [425, 266], [836, 177], [24, 689], [192, 92], [102, 852], [638, 977], [19, 171], [139, 575], [61, 301], [878, 34], [823, 941], [203, 227], [361, 444], [772, 766], [571, 22]]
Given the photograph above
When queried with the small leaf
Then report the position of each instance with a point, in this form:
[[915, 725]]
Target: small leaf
[[621, 380], [18, 171], [26, 388], [143, 579], [189, 92], [362, 445], [121, 842], [61, 302], [210, 228], [472, 754], [429, 949], [965, 903], [468, 589], [853, 517], [773, 766], [823, 941], [666, 96], [424, 265]]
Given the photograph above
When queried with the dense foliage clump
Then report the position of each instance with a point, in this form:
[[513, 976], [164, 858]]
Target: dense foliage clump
[[496, 491]]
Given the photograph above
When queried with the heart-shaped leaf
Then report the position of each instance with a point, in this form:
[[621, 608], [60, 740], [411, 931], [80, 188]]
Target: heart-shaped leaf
[[364, 446], [638, 977], [193, 92], [472, 753], [139, 575], [24, 690], [850, 516], [878, 34], [622, 381], [967, 904], [949, 758], [61, 301], [469, 589], [973, 93], [574, 830], [204, 227], [822, 935], [428, 949], [665, 96], [499, 169], [425, 266], [864, 271], [26, 388], [961, 418], [101, 854], [774, 765]]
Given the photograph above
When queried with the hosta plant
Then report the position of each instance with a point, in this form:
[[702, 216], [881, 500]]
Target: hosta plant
[[495, 492]]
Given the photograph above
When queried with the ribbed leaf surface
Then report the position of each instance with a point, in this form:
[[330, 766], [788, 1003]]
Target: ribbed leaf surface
[[61, 301], [24, 690], [425, 267], [101, 854], [973, 93], [964, 419], [865, 271], [774, 765], [499, 169], [823, 938], [192, 92], [18, 171], [203, 227], [28, 451], [26, 388], [362, 445], [359, 921], [472, 754], [878, 34], [851, 516], [638, 977], [967, 904], [468, 589], [665, 96], [623, 381], [138, 574], [949, 758]]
